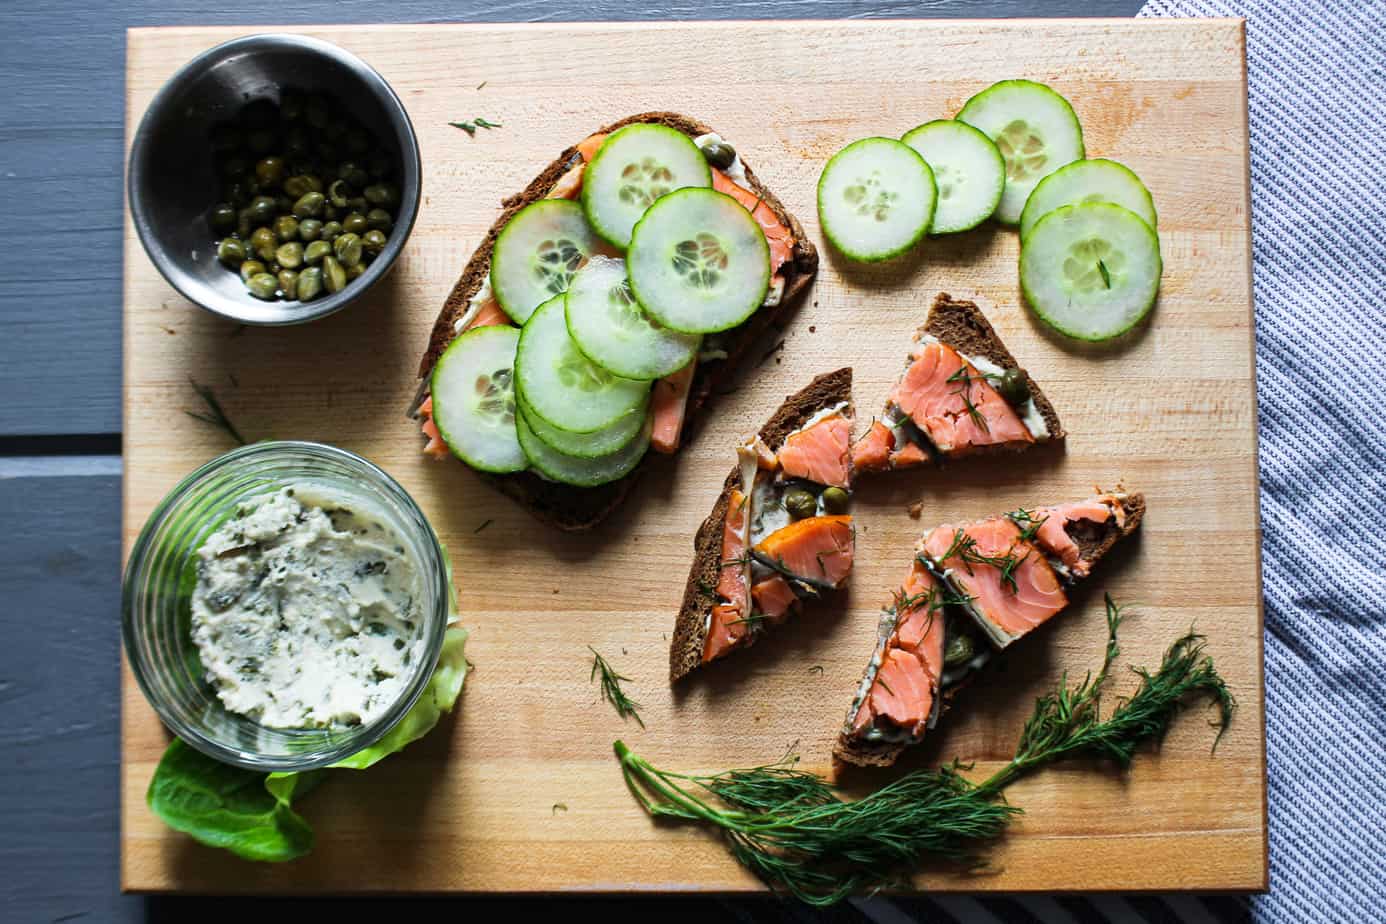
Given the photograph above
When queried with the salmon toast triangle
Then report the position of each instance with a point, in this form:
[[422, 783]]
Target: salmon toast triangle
[[972, 590], [961, 393], [778, 535]]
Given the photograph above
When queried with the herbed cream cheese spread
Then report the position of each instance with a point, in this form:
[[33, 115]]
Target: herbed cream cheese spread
[[305, 613]]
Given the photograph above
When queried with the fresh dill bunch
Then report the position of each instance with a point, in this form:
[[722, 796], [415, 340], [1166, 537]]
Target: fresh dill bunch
[[611, 688], [792, 829]]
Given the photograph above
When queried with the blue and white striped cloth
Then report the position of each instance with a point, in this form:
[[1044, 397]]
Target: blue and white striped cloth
[[1317, 84]]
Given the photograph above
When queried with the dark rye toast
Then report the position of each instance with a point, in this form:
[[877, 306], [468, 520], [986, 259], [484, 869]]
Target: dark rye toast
[[699, 595], [1094, 542], [570, 508], [962, 325]]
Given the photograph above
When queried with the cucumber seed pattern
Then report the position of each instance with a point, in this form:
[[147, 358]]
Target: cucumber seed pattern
[[1023, 151], [625, 311], [496, 395], [644, 182], [700, 261], [577, 371], [868, 197], [555, 262]]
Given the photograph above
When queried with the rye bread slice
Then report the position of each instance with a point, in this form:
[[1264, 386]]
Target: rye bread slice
[[962, 325], [1094, 541], [699, 594], [569, 508]]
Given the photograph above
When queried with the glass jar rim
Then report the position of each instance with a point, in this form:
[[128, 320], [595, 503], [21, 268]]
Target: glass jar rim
[[377, 483]]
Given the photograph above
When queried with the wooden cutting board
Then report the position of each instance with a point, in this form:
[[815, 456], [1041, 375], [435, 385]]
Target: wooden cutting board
[[520, 791]]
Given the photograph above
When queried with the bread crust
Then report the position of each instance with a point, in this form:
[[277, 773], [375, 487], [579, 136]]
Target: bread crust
[[1092, 548], [699, 593], [563, 506]]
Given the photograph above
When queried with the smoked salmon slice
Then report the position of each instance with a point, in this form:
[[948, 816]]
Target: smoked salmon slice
[[820, 453], [953, 403], [777, 235], [816, 550], [906, 684], [1011, 584], [1052, 531], [730, 625], [669, 404], [774, 598]]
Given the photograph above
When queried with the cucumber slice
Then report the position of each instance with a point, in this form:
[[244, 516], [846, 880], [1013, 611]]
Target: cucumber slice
[[876, 199], [474, 399], [698, 262], [635, 166], [1097, 180], [1034, 128], [537, 253], [611, 329], [583, 445], [580, 472], [561, 386], [968, 170], [1091, 271]]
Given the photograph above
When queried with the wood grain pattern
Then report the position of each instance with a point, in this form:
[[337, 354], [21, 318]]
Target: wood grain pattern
[[1171, 413]]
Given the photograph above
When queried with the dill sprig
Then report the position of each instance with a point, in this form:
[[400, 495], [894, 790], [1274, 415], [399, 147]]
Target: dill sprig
[[1029, 523], [964, 391], [215, 415], [792, 829], [611, 688], [964, 548]]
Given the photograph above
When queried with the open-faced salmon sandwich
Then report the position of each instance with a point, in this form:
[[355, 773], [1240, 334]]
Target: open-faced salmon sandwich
[[590, 325], [962, 393], [779, 533], [972, 590]]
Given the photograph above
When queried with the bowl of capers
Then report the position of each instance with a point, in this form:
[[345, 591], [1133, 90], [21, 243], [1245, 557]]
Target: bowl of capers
[[274, 179]]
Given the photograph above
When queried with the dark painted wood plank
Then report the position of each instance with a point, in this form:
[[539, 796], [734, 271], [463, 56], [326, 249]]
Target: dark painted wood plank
[[61, 143]]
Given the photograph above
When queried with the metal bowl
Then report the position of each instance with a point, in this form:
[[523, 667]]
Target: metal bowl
[[172, 179]]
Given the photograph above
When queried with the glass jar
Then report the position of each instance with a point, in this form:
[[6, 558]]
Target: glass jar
[[162, 572]]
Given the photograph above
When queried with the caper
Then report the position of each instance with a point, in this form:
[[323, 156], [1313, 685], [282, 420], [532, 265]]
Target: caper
[[309, 284], [284, 204], [286, 228], [290, 255], [337, 193], [263, 285], [309, 205], [1014, 386], [330, 211], [959, 649], [385, 195], [251, 268], [355, 271], [262, 140], [264, 243], [314, 252], [719, 154], [331, 230], [263, 209], [288, 283], [231, 252], [354, 174], [355, 223], [291, 104], [358, 204], [800, 503], [269, 171], [300, 184], [223, 217], [380, 220], [347, 247], [373, 241], [309, 229], [244, 225], [333, 275], [297, 141], [835, 500]]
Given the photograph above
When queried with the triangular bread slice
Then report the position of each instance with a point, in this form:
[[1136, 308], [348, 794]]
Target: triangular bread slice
[[906, 437], [827, 391], [570, 508], [899, 698]]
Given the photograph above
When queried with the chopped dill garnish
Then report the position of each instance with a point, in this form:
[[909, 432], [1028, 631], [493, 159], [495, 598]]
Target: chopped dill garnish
[[611, 688], [215, 415], [482, 526], [1027, 521], [754, 620], [964, 391], [477, 122], [1106, 275], [797, 834]]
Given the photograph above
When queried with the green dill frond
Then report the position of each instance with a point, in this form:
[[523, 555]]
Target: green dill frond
[[611, 688]]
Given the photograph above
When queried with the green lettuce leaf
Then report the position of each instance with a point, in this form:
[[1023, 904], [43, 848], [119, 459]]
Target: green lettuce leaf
[[224, 806]]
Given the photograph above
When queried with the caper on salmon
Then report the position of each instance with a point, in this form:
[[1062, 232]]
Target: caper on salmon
[[305, 196], [800, 503], [1014, 386]]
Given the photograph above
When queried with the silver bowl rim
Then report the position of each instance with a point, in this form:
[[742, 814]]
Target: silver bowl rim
[[411, 192]]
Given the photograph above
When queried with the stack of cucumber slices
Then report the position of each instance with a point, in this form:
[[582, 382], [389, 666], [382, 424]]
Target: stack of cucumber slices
[[1090, 256], [610, 293]]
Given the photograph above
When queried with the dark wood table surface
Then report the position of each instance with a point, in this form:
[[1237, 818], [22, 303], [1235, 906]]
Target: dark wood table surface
[[62, 119]]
